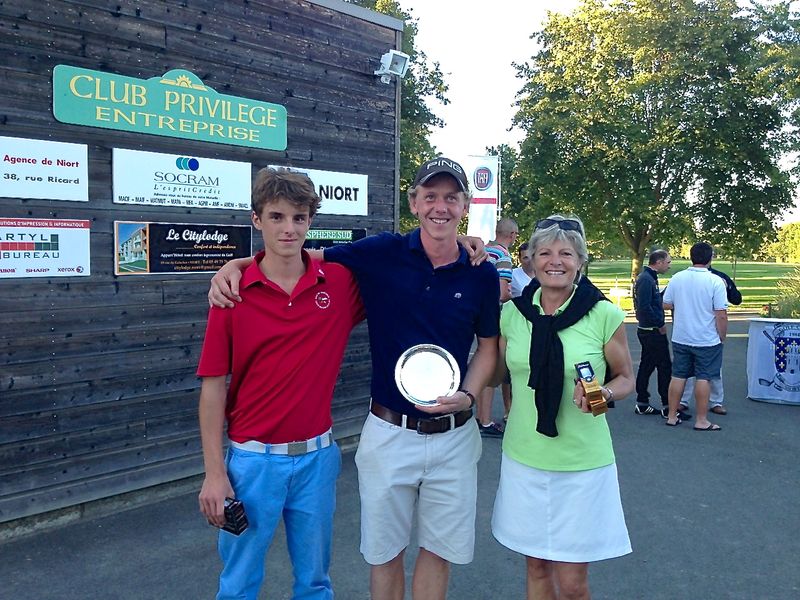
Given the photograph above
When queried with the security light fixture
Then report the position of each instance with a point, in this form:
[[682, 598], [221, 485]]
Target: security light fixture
[[393, 62]]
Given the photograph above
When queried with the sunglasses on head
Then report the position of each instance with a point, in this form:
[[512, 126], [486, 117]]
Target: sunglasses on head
[[564, 224]]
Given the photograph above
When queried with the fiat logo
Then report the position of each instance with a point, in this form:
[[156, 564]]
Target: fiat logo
[[482, 178]]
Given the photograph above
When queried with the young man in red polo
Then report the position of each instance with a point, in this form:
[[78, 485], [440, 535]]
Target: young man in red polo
[[282, 346]]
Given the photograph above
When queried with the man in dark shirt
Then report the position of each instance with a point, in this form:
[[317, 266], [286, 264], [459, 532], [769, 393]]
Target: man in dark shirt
[[733, 293], [419, 288], [652, 334]]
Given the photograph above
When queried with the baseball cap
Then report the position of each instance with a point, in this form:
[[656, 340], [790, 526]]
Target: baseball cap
[[441, 165]]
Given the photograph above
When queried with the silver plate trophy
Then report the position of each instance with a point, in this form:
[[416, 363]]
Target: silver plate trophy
[[425, 372]]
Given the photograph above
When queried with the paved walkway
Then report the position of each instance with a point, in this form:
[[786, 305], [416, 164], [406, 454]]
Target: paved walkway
[[711, 516]]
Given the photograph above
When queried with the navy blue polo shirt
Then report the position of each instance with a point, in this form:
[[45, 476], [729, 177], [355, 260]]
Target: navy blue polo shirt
[[408, 302]]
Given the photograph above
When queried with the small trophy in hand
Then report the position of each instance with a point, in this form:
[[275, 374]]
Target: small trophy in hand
[[591, 388]]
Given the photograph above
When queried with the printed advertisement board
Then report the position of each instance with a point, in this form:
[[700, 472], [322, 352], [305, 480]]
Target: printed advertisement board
[[172, 180], [325, 238], [341, 193], [44, 170], [144, 248], [44, 248]]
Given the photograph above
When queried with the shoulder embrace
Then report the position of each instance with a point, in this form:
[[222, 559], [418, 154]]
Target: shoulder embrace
[[337, 274], [332, 269], [485, 275], [388, 236], [379, 240], [486, 270]]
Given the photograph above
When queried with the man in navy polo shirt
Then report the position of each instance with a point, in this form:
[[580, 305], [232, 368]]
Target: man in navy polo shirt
[[419, 288]]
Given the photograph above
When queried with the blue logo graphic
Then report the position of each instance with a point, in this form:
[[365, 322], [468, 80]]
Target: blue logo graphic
[[187, 164], [482, 178], [786, 340]]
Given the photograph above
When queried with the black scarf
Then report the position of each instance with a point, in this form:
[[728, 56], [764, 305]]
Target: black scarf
[[547, 354]]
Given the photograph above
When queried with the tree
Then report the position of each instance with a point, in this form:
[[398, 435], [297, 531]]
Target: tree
[[521, 202], [517, 200], [651, 118], [423, 82], [787, 246]]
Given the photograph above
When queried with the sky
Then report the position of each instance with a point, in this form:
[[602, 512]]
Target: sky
[[475, 44]]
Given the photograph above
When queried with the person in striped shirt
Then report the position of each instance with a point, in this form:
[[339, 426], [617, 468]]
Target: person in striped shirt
[[506, 233]]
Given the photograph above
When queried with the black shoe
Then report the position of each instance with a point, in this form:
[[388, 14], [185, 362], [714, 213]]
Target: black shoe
[[491, 430], [647, 410], [682, 414]]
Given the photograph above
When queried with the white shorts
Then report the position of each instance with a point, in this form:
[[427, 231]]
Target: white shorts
[[565, 516], [397, 469]]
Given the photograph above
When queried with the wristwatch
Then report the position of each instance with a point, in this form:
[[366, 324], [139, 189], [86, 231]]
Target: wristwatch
[[470, 396]]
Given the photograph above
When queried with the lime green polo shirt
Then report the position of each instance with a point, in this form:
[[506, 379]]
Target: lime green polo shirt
[[583, 441]]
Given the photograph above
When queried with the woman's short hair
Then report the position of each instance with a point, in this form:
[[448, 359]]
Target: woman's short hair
[[549, 230]]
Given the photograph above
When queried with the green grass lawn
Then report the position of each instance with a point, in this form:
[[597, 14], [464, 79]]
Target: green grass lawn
[[757, 281]]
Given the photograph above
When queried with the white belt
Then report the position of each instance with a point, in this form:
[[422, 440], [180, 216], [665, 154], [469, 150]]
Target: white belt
[[290, 448]]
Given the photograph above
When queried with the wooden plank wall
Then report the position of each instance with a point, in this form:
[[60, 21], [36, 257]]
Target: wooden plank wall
[[97, 388]]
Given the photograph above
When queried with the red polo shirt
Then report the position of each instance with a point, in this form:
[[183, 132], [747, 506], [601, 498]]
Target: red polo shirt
[[283, 351]]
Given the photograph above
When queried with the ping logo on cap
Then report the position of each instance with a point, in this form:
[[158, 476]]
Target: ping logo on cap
[[444, 166], [443, 162]]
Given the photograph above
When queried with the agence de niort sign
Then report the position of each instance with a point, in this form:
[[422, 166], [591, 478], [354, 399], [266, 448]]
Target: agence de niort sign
[[175, 105]]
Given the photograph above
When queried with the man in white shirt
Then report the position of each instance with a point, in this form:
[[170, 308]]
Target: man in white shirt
[[522, 275], [700, 323]]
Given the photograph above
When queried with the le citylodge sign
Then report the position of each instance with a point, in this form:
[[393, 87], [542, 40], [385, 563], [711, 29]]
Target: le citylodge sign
[[175, 105], [145, 248]]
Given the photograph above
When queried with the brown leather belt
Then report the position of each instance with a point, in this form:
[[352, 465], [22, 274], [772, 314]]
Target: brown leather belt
[[421, 426]]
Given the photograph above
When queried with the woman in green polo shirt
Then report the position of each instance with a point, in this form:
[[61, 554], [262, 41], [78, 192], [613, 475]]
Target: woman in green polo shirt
[[558, 500]]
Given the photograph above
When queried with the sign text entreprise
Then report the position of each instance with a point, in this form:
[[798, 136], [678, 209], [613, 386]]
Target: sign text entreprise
[[175, 105]]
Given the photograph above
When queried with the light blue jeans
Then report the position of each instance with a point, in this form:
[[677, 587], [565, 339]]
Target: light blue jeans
[[302, 490], [717, 393]]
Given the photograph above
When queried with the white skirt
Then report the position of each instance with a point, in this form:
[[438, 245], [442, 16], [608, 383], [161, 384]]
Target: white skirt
[[564, 516]]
